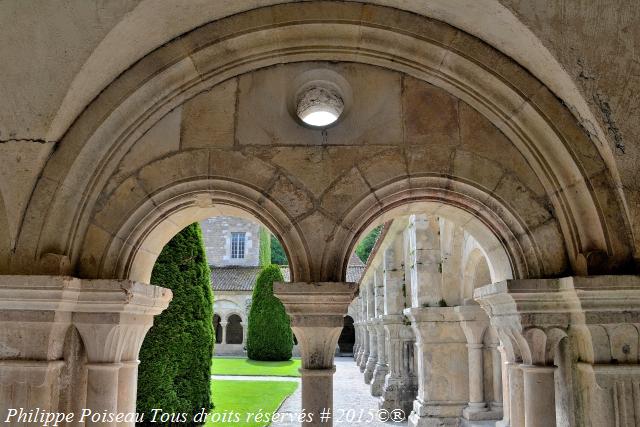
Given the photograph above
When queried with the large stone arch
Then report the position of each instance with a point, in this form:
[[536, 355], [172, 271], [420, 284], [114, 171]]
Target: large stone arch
[[581, 187], [137, 218], [505, 239]]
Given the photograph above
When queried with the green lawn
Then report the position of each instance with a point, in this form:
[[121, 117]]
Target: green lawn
[[238, 366], [237, 399]]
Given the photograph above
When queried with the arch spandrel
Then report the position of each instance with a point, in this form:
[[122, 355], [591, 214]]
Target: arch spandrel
[[561, 157]]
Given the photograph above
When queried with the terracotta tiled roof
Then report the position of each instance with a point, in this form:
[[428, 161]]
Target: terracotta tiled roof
[[243, 278]]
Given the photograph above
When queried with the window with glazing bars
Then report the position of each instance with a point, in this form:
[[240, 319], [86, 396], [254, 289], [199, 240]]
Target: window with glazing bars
[[237, 245]]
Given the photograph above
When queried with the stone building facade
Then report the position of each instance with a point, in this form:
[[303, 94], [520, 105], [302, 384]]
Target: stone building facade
[[513, 122], [219, 232]]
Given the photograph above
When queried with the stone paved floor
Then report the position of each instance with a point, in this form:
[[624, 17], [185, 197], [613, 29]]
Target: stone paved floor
[[351, 397]]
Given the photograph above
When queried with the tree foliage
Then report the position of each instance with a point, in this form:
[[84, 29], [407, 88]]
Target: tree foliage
[[265, 247], [269, 336], [174, 372], [365, 246], [278, 255]]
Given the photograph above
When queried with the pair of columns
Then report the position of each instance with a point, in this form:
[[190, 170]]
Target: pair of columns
[[317, 317], [451, 346], [571, 347], [69, 344]]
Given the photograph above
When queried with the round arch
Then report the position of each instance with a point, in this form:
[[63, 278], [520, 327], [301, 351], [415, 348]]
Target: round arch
[[512, 251], [565, 160], [137, 241]]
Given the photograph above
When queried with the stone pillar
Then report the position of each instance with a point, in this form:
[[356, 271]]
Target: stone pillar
[[596, 317], [373, 351], [32, 333], [516, 396], [365, 331], [539, 396], [223, 325], [426, 280], [127, 388], [317, 316], [364, 357], [112, 332], [474, 323], [496, 378], [112, 317], [443, 374], [372, 333], [398, 391], [381, 367]]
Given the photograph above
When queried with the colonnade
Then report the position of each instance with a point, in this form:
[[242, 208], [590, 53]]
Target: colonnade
[[432, 356], [460, 350], [436, 337]]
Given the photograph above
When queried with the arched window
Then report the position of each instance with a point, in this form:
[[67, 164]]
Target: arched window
[[234, 329], [347, 336], [217, 328]]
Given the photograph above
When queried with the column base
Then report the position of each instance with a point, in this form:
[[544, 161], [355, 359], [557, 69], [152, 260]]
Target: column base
[[398, 393], [363, 362], [480, 414], [436, 413], [377, 380], [368, 371]]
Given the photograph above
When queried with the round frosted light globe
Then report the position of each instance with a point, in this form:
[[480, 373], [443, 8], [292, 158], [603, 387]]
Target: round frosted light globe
[[320, 106]]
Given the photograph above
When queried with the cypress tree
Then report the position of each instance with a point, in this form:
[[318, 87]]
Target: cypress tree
[[265, 247], [269, 336], [175, 358]]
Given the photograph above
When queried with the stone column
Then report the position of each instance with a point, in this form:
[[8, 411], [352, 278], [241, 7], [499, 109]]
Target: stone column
[[496, 378], [365, 331], [223, 325], [127, 388], [372, 334], [474, 322], [112, 317], [539, 396], [381, 368], [373, 351], [516, 396], [33, 326], [426, 280], [317, 311], [443, 375], [398, 391], [594, 316]]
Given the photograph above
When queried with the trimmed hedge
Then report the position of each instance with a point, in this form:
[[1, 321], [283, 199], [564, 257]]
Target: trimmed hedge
[[265, 247], [269, 336], [174, 372]]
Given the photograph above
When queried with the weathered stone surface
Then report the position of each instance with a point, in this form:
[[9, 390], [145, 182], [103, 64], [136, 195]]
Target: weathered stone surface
[[208, 119]]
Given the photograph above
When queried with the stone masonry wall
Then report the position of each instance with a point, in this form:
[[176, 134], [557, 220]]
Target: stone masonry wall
[[217, 240]]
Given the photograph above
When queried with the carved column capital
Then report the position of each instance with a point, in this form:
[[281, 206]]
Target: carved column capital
[[317, 315]]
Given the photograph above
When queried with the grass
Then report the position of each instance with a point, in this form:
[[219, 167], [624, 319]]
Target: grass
[[237, 400], [238, 366]]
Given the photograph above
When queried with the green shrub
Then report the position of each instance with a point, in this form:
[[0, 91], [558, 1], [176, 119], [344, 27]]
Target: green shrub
[[278, 255], [269, 336], [175, 359], [365, 246], [265, 247]]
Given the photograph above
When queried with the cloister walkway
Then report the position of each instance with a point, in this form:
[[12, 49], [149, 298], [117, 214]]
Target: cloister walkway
[[352, 400]]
